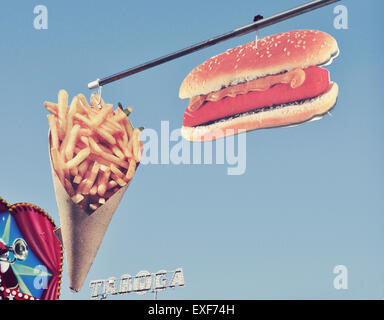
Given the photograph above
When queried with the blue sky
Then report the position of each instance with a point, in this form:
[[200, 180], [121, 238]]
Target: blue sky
[[310, 199]]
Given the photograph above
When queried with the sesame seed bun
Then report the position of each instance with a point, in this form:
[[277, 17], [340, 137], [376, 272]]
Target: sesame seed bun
[[285, 115], [271, 55]]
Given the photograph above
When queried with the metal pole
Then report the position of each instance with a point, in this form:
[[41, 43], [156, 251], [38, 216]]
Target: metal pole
[[210, 42]]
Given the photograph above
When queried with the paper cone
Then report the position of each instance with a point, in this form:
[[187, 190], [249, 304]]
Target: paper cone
[[81, 232]]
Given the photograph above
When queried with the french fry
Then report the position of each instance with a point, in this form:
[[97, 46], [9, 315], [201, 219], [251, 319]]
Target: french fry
[[103, 181], [85, 202], [84, 140], [111, 184], [64, 165], [128, 127], [77, 179], [83, 100], [52, 108], [77, 198], [95, 147], [123, 144], [117, 171], [91, 178], [136, 145], [130, 147], [105, 135], [115, 160], [94, 206], [101, 119], [105, 149], [74, 171], [121, 182], [69, 126], [131, 170], [102, 115], [113, 128], [93, 190], [83, 184], [70, 147], [103, 163], [85, 132], [57, 164], [119, 116], [111, 122], [83, 168], [117, 151], [60, 165], [62, 112], [68, 186], [83, 119], [54, 132], [97, 150], [103, 168], [96, 101]]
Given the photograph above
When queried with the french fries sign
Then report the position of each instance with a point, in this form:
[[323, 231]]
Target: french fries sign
[[94, 150]]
